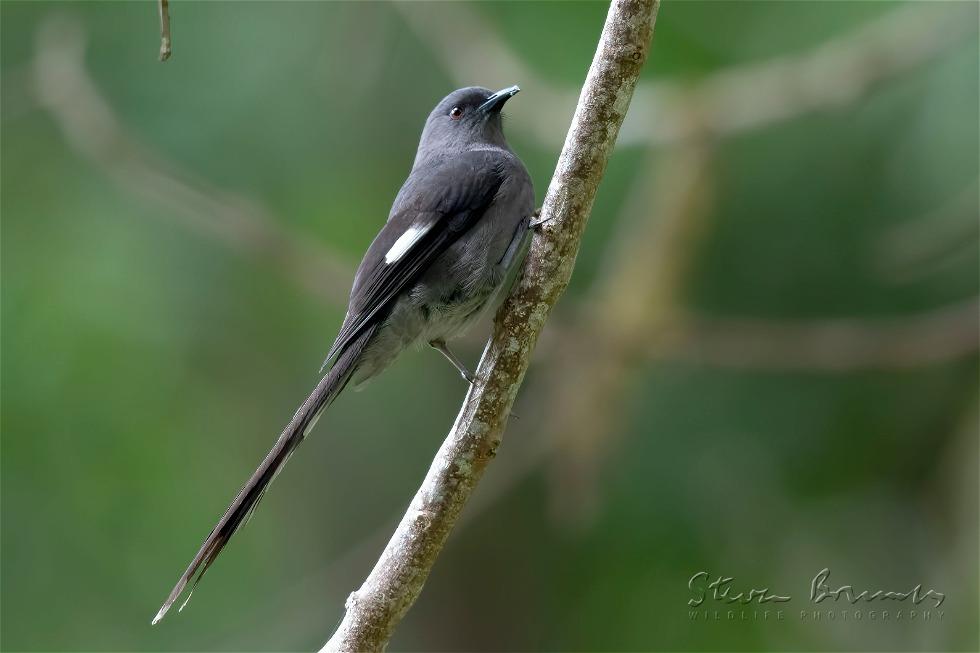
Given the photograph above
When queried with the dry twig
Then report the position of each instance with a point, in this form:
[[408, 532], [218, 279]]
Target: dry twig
[[164, 30]]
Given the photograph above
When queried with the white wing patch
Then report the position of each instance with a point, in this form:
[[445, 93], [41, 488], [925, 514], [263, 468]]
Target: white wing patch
[[407, 240]]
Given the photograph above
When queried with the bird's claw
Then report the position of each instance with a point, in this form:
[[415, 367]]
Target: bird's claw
[[536, 220]]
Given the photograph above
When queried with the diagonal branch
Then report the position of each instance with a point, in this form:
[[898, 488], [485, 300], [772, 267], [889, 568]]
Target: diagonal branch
[[375, 609]]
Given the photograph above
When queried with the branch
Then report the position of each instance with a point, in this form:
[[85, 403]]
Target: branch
[[164, 30], [375, 609]]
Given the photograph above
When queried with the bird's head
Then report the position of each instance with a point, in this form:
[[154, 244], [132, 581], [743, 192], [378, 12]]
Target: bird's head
[[466, 118]]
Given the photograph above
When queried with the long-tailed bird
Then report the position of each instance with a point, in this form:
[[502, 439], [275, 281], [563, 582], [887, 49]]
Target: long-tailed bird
[[455, 229]]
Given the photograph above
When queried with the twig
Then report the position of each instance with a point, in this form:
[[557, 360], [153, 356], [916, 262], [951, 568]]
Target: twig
[[164, 30], [375, 609], [739, 98]]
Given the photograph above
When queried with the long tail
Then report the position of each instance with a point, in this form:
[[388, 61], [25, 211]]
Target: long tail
[[248, 498]]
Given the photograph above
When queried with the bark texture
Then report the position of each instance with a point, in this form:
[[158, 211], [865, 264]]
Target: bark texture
[[374, 610]]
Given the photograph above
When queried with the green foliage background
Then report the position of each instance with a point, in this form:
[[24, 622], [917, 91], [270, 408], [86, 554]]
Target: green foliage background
[[146, 369]]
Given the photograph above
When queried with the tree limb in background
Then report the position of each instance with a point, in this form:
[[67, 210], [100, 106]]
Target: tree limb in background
[[93, 130], [164, 30], [833, 74], [375, 609], [632, 318], [943, 334], [632, 299], [944, 237], [748, 96]]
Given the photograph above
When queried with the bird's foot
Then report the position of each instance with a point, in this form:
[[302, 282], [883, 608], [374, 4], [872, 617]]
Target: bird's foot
[[537, 220]]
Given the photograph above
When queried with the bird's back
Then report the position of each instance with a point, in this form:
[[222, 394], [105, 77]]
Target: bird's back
[[487, 196]]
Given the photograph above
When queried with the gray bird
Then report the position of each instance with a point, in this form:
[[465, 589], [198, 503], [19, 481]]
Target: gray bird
[[455, 229]]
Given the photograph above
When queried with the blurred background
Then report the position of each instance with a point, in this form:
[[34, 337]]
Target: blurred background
[[766, 363]]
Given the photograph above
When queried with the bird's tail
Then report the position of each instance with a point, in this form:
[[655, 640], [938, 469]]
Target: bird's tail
[[248, 498]]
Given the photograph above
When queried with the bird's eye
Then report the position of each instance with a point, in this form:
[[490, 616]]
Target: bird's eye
[[456, 113]]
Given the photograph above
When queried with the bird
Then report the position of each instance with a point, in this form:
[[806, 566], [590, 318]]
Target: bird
[[457, 227]]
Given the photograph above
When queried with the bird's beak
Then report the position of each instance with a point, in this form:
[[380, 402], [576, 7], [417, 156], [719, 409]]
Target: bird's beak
[[496, 101]]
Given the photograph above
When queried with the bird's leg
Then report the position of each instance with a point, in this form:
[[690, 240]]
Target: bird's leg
[[536, 220], [441, 347]]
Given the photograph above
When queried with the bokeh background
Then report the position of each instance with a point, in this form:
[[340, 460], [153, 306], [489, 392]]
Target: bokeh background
[[766, 363]]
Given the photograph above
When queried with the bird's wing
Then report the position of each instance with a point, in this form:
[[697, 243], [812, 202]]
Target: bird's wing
[[435, 207]]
